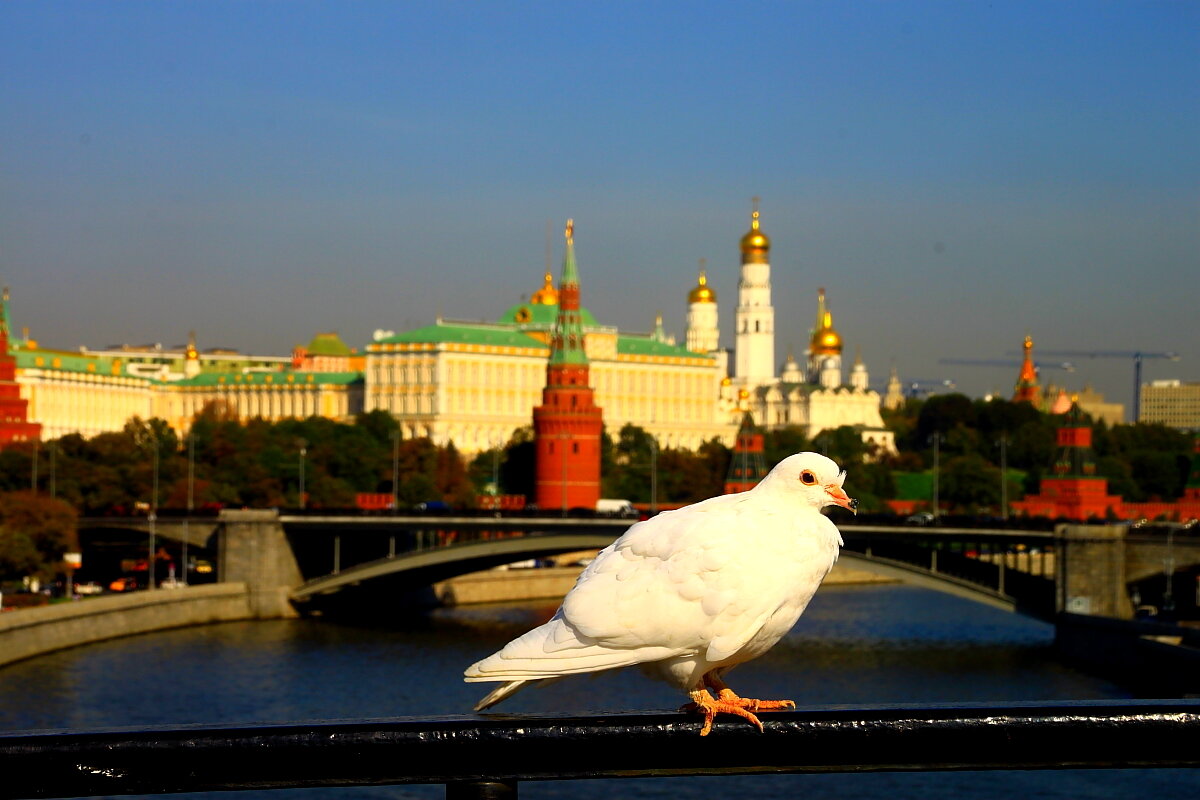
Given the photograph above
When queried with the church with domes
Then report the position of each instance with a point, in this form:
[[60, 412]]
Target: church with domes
[[475, 383], [815, 396]]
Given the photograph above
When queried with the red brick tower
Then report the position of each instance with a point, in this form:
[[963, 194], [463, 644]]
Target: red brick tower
[[568, 423], [748, 465], [14, 410], [1073, 490], [1027, 389]]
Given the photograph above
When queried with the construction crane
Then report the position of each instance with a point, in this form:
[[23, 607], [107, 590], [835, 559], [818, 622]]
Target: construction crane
[[1002, 362], [1138, 357], [926, 386]]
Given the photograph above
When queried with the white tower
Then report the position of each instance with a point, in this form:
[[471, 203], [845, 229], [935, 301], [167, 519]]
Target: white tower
[[755, 337], [859, 379], [703, 333], [895, 392]]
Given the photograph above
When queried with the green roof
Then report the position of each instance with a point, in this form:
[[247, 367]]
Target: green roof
[[328, 344], [68, 362], [539, 315], [283, 378], [495, 336], [647, 346]]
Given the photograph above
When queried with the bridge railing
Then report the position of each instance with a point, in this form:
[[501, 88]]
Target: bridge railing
[[487, 756], [1009, 564]]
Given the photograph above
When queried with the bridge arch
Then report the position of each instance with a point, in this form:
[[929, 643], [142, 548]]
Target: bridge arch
[[425, 567]]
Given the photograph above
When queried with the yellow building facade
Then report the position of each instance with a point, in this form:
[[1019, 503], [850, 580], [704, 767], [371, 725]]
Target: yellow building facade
[[475, 384]]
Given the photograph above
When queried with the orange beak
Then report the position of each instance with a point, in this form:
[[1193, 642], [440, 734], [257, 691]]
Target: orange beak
[[838, 496]]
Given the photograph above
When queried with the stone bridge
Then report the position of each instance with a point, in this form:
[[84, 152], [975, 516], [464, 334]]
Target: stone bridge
[[312, 562]]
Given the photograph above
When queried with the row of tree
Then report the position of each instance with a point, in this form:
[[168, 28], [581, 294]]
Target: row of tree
[[1141, 462]]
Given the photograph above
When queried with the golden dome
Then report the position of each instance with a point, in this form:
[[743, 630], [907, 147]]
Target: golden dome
[[547, 295], [702, 293], [826, 341], [755, 243]]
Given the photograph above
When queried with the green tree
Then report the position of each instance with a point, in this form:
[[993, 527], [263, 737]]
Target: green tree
[[35, 532], [781, 443], [843, 444], [969, 484]]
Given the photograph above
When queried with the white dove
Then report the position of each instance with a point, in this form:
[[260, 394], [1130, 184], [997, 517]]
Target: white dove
[[692, 593]]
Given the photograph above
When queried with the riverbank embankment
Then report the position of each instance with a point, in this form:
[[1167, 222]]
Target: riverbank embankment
[[547, 583], [34, 631]]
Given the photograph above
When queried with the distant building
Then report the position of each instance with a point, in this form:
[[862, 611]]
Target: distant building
[[1073, 490], [327, 353], [1172, 403], [475, 383], [91, 391], [1094, 405], [1056, 399]]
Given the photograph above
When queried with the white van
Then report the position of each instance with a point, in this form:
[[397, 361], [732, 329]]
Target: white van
[[615, 508]]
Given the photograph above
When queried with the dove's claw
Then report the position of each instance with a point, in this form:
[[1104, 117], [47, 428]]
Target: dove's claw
[[727, 695], [704, 703]]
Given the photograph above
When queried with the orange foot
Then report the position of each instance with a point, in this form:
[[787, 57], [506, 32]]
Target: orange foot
[[729, 703]]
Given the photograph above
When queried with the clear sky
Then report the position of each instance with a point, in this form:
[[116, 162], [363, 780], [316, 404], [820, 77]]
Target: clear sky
[[955, 174]]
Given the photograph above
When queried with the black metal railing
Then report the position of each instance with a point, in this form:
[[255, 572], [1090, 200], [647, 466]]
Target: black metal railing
[[487, 756]]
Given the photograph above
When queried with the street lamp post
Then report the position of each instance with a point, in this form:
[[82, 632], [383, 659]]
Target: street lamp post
[[496, 469], [303, 451], [191, 501], [53, 448], [937, 440], [653, 475], [152, 518], [396, 471], [1004, 477]]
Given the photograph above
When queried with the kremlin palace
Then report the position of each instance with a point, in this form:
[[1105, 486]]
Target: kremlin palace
[[475, 383]]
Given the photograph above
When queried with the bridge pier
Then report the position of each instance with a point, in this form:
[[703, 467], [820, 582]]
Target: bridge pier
[[1091, 566], [253, 549]]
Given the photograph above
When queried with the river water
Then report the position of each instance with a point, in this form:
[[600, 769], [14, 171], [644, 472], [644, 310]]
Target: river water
[[855, 645]]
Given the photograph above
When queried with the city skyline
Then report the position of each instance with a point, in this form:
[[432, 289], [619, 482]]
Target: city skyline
[[955, 176]]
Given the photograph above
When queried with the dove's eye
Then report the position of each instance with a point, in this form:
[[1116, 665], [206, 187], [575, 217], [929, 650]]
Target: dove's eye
[[807, 478]]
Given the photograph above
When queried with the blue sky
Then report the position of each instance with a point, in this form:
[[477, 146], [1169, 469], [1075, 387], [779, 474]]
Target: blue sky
[[955, 174]]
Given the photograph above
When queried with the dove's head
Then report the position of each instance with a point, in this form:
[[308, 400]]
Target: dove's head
[[815, 478]]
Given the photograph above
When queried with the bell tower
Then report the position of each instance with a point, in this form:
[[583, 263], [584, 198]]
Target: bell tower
[[754, 339]]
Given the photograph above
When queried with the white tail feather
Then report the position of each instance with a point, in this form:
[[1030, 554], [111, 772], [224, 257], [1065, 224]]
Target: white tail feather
[[499, 693]]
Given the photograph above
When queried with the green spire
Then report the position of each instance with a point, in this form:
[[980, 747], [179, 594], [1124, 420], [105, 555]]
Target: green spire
[[566, 343], [570, 273], [4, 320]]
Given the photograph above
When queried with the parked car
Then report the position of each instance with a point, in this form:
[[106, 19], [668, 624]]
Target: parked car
[[919, 518]]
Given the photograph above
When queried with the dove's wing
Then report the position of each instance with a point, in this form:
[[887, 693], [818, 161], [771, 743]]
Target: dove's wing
[[704, 579], [701, 580]]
